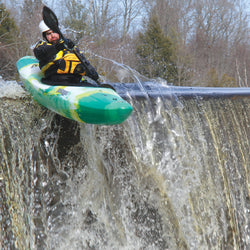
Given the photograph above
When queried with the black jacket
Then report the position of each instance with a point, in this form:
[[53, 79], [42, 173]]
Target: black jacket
[[47, 53]]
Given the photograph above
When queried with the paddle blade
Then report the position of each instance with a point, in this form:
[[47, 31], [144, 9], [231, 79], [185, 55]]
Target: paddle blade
[[50, 19]]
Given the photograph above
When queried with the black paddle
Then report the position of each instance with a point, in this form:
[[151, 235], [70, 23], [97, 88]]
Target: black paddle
[[51, 21]]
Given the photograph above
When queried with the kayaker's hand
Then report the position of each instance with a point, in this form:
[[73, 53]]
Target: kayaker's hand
[[66, 43], [60, 45], [69, 43]]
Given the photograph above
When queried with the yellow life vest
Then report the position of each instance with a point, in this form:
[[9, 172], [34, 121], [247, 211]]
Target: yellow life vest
[[69, 64]]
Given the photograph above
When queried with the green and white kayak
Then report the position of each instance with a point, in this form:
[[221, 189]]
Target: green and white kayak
[[92, 105]]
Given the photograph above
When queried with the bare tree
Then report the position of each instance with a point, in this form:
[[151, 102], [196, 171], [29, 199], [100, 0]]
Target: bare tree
[[130, 11], [101, 17], [31, 16], [219, 28], [208, 35]]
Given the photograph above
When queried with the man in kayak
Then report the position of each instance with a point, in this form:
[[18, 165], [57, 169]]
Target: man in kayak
[[57, 62]]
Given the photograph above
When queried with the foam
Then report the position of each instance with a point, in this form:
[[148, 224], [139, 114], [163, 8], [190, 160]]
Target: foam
[[11, 89]]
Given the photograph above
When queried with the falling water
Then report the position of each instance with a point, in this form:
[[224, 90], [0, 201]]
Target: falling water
[[175, 175]]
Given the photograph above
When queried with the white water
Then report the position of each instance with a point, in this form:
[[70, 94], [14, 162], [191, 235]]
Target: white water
[[175, 175], [10, 89]]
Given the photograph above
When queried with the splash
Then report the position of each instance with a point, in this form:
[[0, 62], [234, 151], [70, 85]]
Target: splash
[[11, 89], [175, 175]]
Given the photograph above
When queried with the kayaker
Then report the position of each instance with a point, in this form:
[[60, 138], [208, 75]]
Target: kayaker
[[56, 60]]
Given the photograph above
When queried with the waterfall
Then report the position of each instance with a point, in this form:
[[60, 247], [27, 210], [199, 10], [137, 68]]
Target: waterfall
[[175, 175]]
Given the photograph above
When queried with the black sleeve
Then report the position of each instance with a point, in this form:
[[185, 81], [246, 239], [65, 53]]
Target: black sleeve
[[44, 51], [90, 71]]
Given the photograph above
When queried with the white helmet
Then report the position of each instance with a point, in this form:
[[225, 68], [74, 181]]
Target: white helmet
[[43, 27]]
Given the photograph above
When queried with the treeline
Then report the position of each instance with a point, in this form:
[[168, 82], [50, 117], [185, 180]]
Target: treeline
[[186, 42]]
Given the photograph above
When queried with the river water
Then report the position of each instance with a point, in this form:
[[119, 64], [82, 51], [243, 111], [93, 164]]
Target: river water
[[175, 175]]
